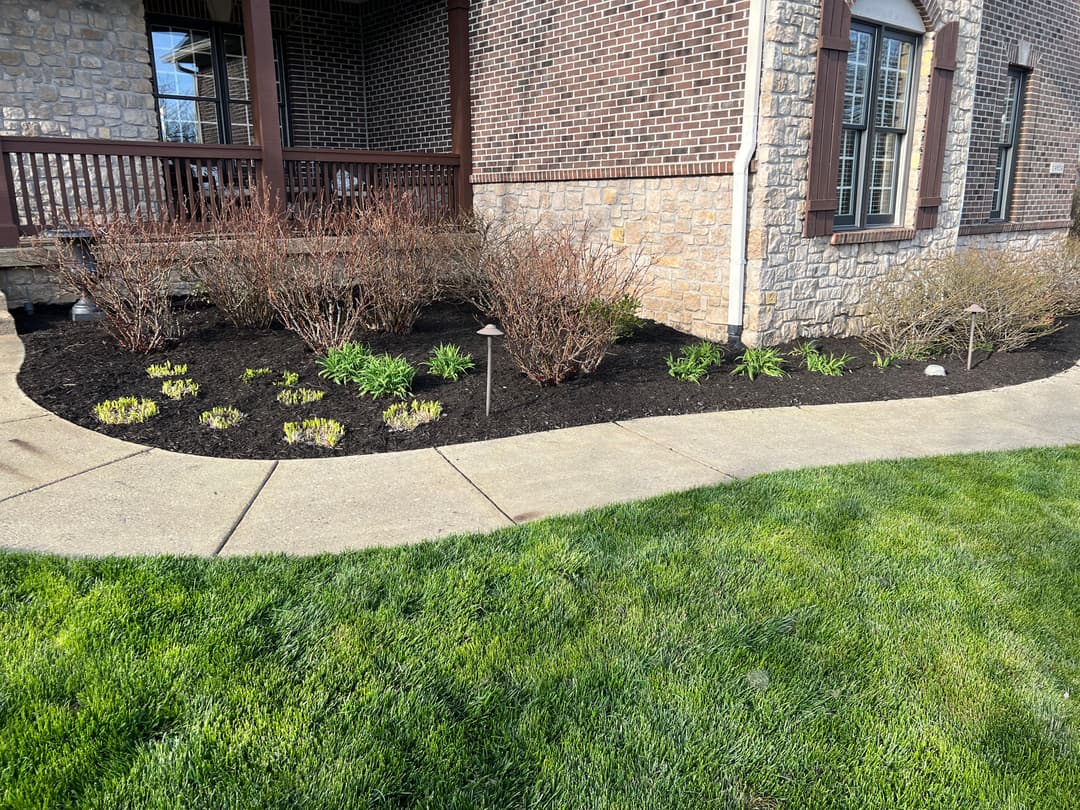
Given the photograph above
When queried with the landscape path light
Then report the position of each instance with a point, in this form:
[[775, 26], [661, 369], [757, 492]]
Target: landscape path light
[[490, 331], [975, 311]]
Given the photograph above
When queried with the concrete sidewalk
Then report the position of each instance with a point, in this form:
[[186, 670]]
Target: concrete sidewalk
[[68, 490]]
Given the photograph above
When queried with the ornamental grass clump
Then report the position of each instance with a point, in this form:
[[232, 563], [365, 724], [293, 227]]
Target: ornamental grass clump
[[178, 389], [401, 417], [137, 262], [694, 362], [386, 375], [754, 363], [448, 362], [299, 396], [125, 411], [342, 365], [158, 371], [316, 431], [556, 294], [221, 418]]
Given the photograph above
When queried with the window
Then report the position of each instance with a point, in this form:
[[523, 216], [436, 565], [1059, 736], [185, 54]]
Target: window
[[876, 115], [1008, 135], [201, 83]]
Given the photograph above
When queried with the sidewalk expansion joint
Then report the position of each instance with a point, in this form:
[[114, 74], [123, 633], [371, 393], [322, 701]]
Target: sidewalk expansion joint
[[24, 418], [472, 483], [246, 509], [672, 450], [76, 474]]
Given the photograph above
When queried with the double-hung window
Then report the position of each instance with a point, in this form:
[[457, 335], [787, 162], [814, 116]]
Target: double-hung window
[[201, 83], [876, 119], [1008, 135]]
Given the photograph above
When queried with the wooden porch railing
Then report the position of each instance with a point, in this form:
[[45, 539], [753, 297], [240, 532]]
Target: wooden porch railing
[[45, 182]]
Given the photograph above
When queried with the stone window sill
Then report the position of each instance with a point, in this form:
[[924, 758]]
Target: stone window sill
[[982, 228], [873, 235]]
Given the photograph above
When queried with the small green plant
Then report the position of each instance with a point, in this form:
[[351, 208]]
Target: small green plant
[[319, 432], [448, 362], [221, 418], [178, 389], [166, 369], [402, 417], [299, 396], [760, 361], [621, 314], [694, 362], [288, 379], [820, 363], [252, 374], [886, 360], [344, 365], [385, 375], [125, 411]]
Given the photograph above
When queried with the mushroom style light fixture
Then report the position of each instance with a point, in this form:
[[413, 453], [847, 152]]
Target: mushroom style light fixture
[[490, 331], [975, 310]]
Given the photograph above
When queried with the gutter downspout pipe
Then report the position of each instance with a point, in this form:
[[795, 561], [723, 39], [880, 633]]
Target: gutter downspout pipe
[[740, 197]]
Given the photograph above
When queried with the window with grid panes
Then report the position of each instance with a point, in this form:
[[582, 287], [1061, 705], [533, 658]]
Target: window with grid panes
[[876, 120]]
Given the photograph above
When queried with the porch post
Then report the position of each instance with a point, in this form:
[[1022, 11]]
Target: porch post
[[460, 99], [9, 228], [259, 43]]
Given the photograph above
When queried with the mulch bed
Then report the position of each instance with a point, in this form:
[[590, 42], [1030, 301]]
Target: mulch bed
[[70, 367]]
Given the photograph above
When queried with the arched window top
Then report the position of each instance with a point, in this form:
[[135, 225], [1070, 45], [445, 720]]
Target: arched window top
[[893, 13]]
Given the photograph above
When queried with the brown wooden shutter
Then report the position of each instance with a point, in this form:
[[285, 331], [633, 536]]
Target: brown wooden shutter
[[828, 107], [937, 126]]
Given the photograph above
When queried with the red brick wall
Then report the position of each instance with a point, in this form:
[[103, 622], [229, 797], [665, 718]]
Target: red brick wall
[[606, 87], [408, 75], [1051, 123]]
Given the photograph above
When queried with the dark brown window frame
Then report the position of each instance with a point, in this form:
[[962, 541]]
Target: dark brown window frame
[[222, 100], [1005, 181], [860, 219]]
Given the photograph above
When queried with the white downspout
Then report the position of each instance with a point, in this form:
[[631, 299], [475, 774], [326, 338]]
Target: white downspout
[[740, 196]]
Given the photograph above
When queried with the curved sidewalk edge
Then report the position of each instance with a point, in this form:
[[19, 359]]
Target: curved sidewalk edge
[[68, 490]]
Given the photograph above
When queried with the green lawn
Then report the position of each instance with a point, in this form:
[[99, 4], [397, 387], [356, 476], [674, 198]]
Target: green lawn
[[918, 622]]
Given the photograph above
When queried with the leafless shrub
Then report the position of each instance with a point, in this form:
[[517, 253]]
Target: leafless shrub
[[247, 245], [315, 291], [395, 261], [551, 291], [137, 261], [1068, 277], [920, 309]]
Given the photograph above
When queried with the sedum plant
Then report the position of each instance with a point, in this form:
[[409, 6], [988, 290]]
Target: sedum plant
[[299, 396], [402, 417], [343, 364], [694, 362], [178, 389], [288, 379], [252, 374], [221, 418], [448, 362], [125, 411], [385, 375], [319, 432], [161, 370], [754, 363]]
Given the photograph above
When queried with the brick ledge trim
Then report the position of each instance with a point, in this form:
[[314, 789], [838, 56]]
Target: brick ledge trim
[[1013, 227], [873, 235], [721, 167]]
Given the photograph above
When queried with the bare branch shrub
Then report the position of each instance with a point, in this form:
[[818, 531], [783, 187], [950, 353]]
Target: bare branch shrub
[[1068, 277], [315, 291], [137, 261], [550, 290], [920, 309], [247, 244]]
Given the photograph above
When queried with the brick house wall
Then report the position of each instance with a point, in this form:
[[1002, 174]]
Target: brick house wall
[[406, 57], [607, 87], [75, 69], [1050, 130]]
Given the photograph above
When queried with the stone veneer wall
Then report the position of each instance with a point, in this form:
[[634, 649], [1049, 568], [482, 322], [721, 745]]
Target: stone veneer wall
[[679, 225], [75, 68], [817, 286]]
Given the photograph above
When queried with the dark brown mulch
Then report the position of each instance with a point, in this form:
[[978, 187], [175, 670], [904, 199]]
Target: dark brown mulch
[[70, 367]]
